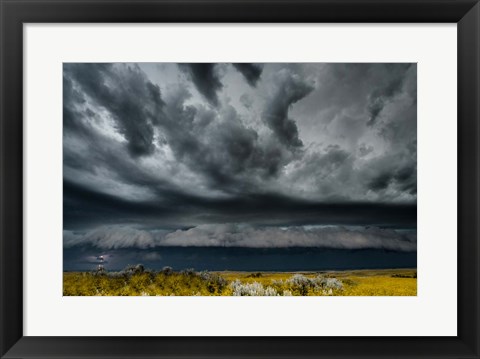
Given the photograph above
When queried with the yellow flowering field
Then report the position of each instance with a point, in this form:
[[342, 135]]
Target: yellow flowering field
[[140, 282]]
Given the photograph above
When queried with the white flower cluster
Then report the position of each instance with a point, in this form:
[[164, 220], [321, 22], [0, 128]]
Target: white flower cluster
[[251, 289], [298, 284], [319, 284], [299, 280], [331, 283], [212, 278]]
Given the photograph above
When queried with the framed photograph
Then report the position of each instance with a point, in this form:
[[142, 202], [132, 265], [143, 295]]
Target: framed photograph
[[239, 179]]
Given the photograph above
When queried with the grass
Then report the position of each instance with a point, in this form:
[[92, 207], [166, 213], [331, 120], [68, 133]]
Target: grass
[[138, 282]]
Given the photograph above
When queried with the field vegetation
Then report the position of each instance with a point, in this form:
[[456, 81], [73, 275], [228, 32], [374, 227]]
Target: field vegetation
[[136, 281]]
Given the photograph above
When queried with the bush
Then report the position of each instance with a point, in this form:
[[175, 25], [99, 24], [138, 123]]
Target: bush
[[301, 284], [330, 283], [414, 275], [318, 285], [251, 289], [270, 292], [134, 280], [247, 289], [188, 272], [134, 269], [167, 270]]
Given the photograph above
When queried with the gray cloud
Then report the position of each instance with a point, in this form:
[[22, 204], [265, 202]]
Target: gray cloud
[[364, 150], [251, 72], [386, 90], [291, 89], [296, 148], [246, 101], [124, 91], [87, 208], [244, 235], [321, 237], [205, 78], [110, 238], [216, 144], [404, 178]]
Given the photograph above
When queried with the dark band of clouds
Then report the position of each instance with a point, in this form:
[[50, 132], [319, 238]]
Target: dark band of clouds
[[242, 235], [86, 208]]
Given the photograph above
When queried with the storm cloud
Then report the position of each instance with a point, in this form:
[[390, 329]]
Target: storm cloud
[[386, 91], [205, 78], [290, 89], [251, 155], [131, 100], [243, 235], [110, 238], [233, 235], [251, 72]]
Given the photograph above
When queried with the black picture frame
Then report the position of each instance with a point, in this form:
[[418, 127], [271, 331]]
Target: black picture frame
[[15, 13]]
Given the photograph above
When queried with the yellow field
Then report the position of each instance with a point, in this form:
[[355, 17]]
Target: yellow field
[[391, 282], [355, 283]]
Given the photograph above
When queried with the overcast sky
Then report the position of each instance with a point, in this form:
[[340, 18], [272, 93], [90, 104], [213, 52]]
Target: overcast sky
[[253, 155]]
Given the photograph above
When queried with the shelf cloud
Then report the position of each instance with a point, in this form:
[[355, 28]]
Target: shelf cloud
[[244, 235]]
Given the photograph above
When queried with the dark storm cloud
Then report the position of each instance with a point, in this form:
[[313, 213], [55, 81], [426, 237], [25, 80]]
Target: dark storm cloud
[[86, 207], [133, 101], [384, 93], [338, 113], [73, 118], [407, 179], [295, 148], [111, 238], [381, 181], [205, 78], [215, 145], [251, 72], [241, 235], [395, 172], [244, 235], [71, 97], [291, 89], [218, 145], [404, 178], [349, 96]]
